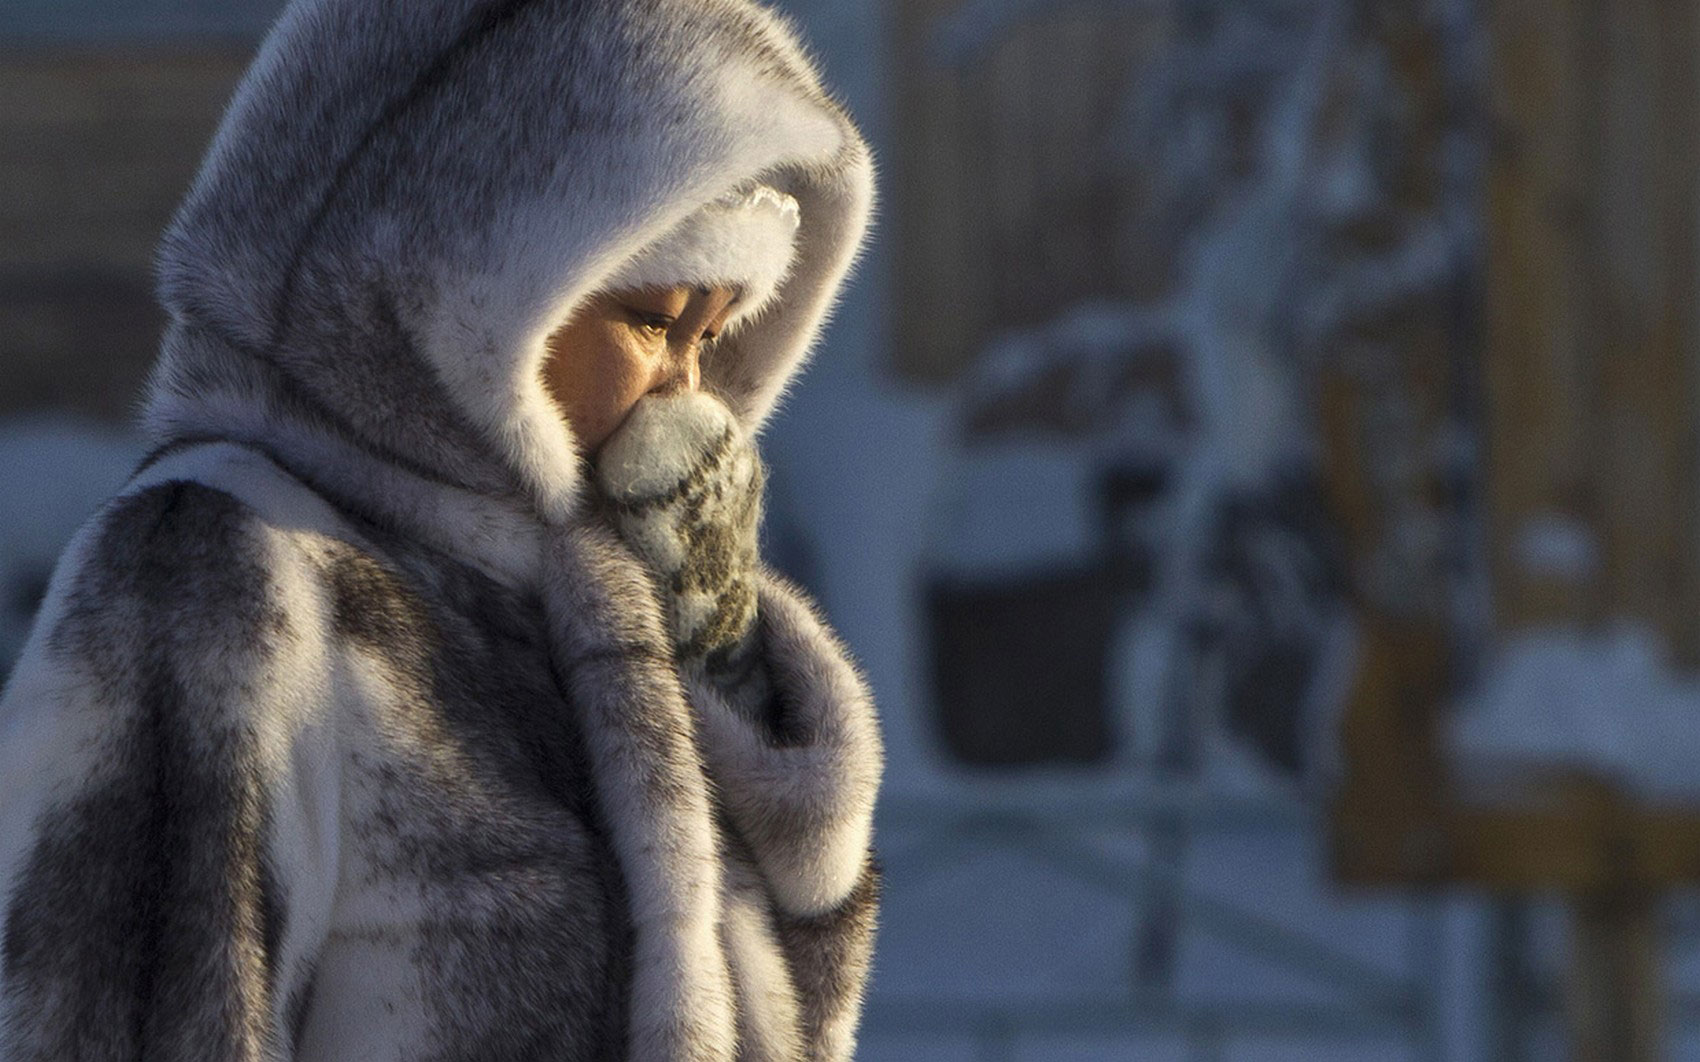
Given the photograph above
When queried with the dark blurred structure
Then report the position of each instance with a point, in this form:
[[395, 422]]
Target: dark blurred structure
[[1020, 666]]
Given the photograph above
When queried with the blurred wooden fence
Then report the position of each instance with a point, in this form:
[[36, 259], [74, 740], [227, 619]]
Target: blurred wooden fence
[[1006, 207], [1588, 370], [101, 143]]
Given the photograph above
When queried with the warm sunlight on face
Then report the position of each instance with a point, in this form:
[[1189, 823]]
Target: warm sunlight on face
[[621, 346]]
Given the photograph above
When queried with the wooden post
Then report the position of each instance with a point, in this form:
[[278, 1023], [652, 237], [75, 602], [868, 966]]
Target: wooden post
[[1384, 401], [1615, 995], [1641, 282], [1590, 366]]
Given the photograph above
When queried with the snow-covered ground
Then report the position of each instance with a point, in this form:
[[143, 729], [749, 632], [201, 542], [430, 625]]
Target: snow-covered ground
[[1016, 910]]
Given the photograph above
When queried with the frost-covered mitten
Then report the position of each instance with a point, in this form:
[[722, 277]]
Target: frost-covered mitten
[[682, 482]]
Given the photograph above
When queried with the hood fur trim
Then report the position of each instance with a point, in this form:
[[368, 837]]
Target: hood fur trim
[[746, 241]]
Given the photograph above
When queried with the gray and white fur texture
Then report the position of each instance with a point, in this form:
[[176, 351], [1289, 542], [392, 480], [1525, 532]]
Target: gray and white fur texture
[[351, 728]]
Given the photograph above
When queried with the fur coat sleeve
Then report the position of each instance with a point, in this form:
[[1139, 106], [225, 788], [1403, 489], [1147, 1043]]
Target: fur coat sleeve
[[798, 797], [168, 792], [785, 723]]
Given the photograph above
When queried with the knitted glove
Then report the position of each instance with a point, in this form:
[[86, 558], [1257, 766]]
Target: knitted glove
[[682, 483]]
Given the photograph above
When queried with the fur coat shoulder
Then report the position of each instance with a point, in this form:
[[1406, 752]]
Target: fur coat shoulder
[[345, 730]]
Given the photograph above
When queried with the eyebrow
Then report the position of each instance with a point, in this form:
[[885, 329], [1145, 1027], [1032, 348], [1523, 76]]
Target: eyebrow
[[705, 291]]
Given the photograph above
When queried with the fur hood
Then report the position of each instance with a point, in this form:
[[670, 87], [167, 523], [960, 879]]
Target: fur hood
[[405, 199]]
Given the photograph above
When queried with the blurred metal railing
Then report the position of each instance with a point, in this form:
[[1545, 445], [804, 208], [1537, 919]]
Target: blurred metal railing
[[1059, 826]]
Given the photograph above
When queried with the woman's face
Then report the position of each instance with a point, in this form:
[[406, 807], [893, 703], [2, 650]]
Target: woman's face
[[623, 345]]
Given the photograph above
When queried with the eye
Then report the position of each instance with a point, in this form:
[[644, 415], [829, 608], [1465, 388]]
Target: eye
[[656, 324]]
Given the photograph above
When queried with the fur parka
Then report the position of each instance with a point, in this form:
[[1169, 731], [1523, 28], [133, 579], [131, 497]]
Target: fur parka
[[346, 731]]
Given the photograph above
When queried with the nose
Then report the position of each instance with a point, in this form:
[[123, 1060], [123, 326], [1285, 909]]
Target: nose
[[683, 373]]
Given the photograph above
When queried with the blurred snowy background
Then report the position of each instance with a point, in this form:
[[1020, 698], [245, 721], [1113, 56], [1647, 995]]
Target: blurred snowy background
[[1057, 475]]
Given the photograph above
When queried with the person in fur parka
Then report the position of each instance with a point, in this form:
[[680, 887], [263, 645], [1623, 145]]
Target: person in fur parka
[[424, 694]]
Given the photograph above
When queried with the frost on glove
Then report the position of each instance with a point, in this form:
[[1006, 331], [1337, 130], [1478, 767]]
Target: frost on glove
[[682, 482]]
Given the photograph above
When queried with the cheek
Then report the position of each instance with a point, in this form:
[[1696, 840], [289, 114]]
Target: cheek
[[626, 379], [599, 387]]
